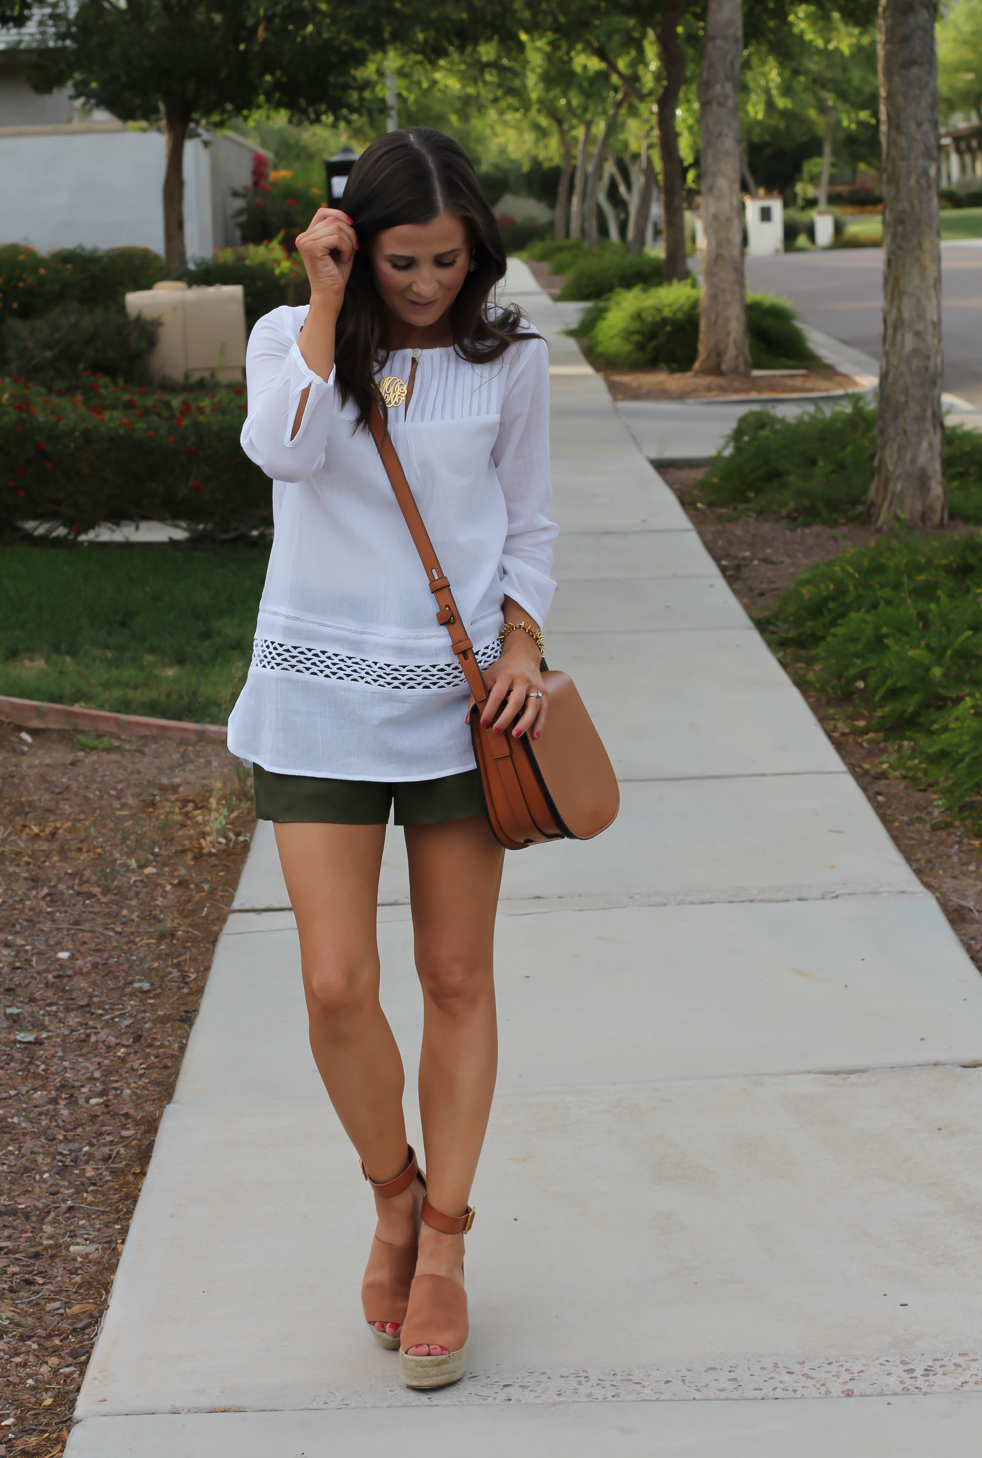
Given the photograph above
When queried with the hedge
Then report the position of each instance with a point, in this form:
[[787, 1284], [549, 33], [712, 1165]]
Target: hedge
[[105, 453], [659, 327], [58, 348], [818, 467], [598, 274], [35, 283]]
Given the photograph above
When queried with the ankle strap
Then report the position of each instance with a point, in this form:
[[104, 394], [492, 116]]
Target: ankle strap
[[447, 1224], [401, 1182]]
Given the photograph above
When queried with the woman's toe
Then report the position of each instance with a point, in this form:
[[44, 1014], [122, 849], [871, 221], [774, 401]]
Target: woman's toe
[[393, 1328]]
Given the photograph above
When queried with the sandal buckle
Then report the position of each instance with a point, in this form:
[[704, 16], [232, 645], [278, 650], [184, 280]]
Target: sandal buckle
[[471, 1212]]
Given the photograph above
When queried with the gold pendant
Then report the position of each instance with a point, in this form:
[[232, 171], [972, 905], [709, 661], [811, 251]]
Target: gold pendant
[[393, 390]]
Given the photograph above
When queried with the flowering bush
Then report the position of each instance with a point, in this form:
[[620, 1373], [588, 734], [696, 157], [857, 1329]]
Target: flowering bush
[[57, 348], [274, 207], [268, 273], [35, 283], [105, 453]]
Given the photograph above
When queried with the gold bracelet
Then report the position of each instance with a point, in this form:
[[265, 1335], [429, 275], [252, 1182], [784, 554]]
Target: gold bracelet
[[523, 627]]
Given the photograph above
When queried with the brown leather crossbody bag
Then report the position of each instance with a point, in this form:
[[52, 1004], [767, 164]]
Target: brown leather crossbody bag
[[564, 786]]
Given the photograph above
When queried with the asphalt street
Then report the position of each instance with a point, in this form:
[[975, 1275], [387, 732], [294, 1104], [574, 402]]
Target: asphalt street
[[840, 292]]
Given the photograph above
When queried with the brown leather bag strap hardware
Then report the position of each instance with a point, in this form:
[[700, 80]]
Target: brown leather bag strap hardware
[[441, 582], [447, 1224], [401, 1182]]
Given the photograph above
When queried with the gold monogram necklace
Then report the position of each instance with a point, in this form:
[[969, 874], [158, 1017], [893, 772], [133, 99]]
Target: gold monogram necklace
[[393, 390]]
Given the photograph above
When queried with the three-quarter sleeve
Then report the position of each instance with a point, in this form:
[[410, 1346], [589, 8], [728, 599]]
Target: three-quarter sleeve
[[521, 458], [276, 376]]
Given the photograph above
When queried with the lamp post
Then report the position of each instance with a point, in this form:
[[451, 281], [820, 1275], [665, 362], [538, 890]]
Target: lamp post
[[337, 169]]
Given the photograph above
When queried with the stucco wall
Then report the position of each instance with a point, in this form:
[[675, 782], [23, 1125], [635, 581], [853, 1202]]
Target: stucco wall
[[100, 185]]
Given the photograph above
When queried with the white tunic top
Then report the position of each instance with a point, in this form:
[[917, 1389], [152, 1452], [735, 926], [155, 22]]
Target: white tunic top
[[351, 676]]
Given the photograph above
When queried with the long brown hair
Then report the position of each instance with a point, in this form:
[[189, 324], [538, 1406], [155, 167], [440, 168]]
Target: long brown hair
[[414, 176]]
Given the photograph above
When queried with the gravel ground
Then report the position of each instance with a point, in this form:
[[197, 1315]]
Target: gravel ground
[[118, 863], [759, 558]]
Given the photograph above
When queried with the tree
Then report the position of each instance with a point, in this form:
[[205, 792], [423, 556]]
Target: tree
[[960, 60], [724, 347], [908, 475], [191, 63]]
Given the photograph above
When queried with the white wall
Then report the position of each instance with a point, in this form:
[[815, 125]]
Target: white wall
[[101, 185]]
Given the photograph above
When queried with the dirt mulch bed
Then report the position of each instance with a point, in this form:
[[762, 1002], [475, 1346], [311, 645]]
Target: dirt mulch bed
[[551, 282], [660, 385], [125, 856], [759, 559]]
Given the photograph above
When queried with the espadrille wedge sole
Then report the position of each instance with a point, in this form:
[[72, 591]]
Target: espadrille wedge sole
[[437, 1316]]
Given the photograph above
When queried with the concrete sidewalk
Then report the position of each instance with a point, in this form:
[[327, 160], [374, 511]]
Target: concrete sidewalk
[[735, 1152]]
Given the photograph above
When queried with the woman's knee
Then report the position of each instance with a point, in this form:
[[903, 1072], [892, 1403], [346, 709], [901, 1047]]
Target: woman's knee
[[338, 988], [453, 982]]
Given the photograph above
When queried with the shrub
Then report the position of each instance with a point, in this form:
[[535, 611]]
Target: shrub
[[776, 338], [797, 224], [275, 206], [593, 275], [517, 234], [35, 283], [950, 197], [660, 327], [58, 347], [818, 467], [106, 453], [898, 625]]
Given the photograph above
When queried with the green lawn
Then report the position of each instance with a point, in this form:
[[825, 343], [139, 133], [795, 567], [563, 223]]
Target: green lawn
[[961, 223], [165, 631], [955, 223]]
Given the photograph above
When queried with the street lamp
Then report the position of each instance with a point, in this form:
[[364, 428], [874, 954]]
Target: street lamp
[[337, 169]]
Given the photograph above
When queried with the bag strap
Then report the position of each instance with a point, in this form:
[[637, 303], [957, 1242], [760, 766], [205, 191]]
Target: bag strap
[[439, 583]]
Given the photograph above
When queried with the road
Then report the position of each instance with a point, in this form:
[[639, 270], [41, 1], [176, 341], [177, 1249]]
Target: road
[[840, 293]]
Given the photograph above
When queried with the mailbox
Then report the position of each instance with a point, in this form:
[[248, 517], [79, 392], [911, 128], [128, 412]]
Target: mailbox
[[337, 169]]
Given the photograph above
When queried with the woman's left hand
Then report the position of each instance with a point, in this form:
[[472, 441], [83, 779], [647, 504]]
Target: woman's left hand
[[512, 680]]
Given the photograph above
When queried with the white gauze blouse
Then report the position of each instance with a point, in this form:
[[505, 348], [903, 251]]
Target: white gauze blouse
[[351, 675]]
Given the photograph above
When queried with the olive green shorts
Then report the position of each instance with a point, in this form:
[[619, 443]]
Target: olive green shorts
[[305, 800]]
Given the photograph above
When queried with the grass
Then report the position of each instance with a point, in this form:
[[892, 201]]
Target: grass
[[818, 466], [165, 631], [961, 223], [897, 626], [955, 223]]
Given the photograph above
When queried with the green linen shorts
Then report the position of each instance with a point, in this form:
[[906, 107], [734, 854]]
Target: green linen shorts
[[306, 800]]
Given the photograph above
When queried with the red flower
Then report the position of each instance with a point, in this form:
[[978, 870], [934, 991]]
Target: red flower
[[198, 486], [19, 470], [189, 450], [40, 445], [76, 527], [291, 202]]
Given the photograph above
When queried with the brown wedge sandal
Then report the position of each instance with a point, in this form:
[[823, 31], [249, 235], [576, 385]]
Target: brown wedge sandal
[[389, 1273], [437, 1316]]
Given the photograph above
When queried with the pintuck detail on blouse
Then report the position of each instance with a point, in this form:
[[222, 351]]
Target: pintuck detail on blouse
[[351, 676]]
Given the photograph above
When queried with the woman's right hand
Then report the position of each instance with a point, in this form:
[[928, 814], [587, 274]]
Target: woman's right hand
[[328, 251]]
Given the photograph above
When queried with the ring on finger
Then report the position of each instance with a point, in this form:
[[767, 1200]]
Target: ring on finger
[[533, 696]]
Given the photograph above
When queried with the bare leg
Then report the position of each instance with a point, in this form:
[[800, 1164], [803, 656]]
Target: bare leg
[[454, 875], [331, 873]]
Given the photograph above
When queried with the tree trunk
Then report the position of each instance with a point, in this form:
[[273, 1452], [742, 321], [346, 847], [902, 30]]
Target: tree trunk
[[176, 121], [579, 183], [565, 176], [724, 347], [641, 203], [673, 60], [823, 185], [908, 477], [748, 176], [639, 223], [591, 230], [605, 204]]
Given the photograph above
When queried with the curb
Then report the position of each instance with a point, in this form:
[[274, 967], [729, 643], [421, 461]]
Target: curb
[[36, 715]]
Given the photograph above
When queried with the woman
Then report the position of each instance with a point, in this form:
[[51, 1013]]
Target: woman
[[354, 699]]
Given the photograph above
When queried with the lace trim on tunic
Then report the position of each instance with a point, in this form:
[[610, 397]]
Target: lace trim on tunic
[[299, 658]]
